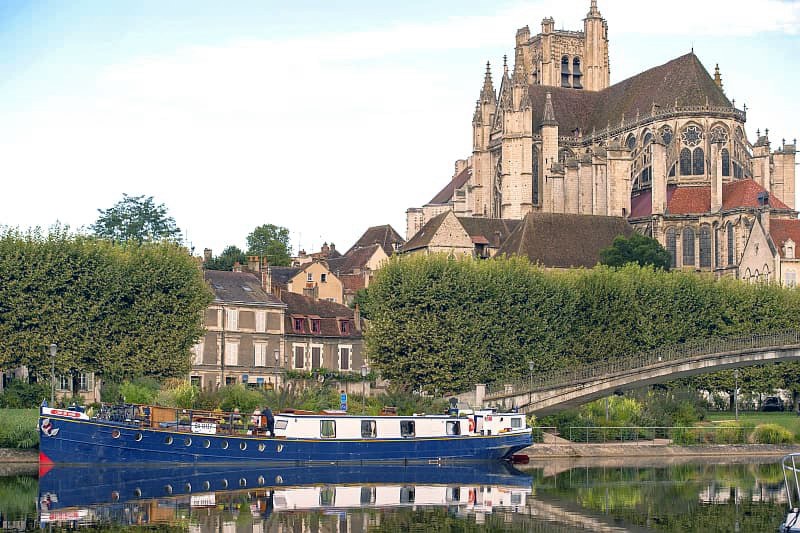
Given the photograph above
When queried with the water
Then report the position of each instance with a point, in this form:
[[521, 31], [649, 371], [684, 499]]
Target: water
[[637, 495]]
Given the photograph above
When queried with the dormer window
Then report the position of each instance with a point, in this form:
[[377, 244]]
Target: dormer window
[[315, 327], [344, 327], [788, 250], [298, 324]]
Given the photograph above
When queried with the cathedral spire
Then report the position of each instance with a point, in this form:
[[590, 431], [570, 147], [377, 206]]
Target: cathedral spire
[[717, 76], [549, 116], [488, 89], [593, 11]]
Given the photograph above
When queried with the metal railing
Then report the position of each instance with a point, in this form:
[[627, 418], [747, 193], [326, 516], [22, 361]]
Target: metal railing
[[678, 435], [687, 350]]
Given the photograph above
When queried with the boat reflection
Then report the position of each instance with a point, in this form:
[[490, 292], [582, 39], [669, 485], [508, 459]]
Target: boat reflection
[[205, 497]]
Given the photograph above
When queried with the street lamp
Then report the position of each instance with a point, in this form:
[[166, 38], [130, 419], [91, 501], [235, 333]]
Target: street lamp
[[736, 393], [277, 355], [531, 365], [363, 387], [53, 350]]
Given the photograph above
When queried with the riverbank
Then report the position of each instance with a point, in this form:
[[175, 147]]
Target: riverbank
[[16, 455], [655, 450]]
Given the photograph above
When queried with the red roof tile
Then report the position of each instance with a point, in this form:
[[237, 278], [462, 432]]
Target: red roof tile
[[782, 230], [744, 193], [688, 200]]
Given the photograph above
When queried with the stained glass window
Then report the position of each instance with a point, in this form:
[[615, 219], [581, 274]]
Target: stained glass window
[[666, 134], [719, 134], [731, 243], [630, 142], [686, 162], [671, 246], [726, 162], [705, 247], [688, 246], [698, 162], [692, 135]]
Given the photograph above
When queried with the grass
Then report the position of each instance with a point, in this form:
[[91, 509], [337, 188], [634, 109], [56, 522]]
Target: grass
[[790, 421], [18, 428]]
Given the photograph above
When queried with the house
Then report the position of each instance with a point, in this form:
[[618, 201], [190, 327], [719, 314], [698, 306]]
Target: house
[[313, 278], [326, 252], [460, 236]]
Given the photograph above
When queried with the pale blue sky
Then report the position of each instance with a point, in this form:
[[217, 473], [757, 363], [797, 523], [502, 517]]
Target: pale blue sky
[[324, 117]]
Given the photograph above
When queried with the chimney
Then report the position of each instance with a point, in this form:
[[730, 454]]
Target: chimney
[[237, 267], [207, 255], [333, 248], [266, 279], [252, 263], [357, 318], [325, 249], [497, 241]]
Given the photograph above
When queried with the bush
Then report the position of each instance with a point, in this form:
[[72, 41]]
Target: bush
[[771, 434], [137, 393], [22, 395], [684, 436], [182, 395], [18, 428], [733, 432], [238, 396]]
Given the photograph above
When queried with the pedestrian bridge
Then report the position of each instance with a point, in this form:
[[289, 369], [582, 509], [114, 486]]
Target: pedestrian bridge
[[554, 391]]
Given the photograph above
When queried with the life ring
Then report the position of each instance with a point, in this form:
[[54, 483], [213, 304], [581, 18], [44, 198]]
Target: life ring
[[471, 425], [471, 495]]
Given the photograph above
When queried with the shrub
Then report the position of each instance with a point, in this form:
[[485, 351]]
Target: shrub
[[238, 396], [22, 395], [684, 436], [182, 395], [730, 432], [18, 428], [771, 434], [137, 393]]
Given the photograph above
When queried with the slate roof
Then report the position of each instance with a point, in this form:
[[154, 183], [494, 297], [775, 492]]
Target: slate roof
[[329, 314], [384, 235], [282, 275], [487, 228], [239, 287], [684, 200], [355, 259], [782, 230], [683, 79], [423, 237], [446, 194], [564, 240]]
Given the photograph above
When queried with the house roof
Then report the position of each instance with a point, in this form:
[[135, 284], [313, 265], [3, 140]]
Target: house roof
[[488, 229], [683, 80], [240, 287], [423, 237], [446, 194], [355, 259], [329, 314], [782, 230], [564, 240], [384, 235], [282, 275], [353, 282]]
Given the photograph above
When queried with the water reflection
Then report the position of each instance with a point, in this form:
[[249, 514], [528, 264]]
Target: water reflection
[[635, 495]]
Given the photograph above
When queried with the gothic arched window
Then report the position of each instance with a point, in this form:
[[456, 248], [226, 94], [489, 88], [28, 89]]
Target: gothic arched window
[[717, 251], [765, 273], [726, 162], [565, 72], [686, 162], [666, 134], [705, 247], [648, 138], [535, 176], [576, 73], [672, 247], [731, 243], [688, 246], [698, 162], [630, 142]]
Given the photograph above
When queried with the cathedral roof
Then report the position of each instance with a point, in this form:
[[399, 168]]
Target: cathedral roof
[[683, 80], [564, 240], [782, 230], [446, 194]]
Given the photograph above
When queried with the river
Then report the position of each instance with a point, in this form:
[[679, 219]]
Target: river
[[676, 494]]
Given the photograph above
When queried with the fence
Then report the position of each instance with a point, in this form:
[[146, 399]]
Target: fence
[[686, 436], [695, 348]]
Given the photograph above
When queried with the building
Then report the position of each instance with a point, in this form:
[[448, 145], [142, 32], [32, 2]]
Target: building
[[313, 279], [665, 149], [460, 236]]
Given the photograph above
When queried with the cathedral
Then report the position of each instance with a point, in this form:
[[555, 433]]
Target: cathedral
[[665, 149]]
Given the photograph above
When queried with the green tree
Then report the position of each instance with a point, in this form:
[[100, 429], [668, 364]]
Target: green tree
[[272, 242], [227, 258], [119, 310], [137, 219], [637, 249]]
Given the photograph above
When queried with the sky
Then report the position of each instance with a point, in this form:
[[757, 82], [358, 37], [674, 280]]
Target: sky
[[322, 117]]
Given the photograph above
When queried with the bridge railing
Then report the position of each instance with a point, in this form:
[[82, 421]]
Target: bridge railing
[[683, 436], [689, 349]]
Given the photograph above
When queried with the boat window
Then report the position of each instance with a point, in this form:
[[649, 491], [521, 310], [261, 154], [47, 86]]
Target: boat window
[[327, 495], [516, 422], [368, 495], [368, 429], [407, 494], [281, 424], [327, 429], [406, 428], [454, 427]]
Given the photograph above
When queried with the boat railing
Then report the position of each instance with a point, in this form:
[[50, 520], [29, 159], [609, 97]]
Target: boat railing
[[791, 465]]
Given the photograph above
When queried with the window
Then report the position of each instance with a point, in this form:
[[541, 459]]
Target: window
[[327, 429], [231, 354], [692, 135], [230, 380], [790, 279], [666, 134], [648, 138], [85, 381], [717, 250], [344, 357], [576, 74], [698, 162], [281, 424], [453, 427], [261, 321], [197, 354], [686, 162], [407, 428], [65, 382], [565, 72], [323, 278], [688, 246], [299, 357], [344, 327], [765, 273], [535, 175], [368, 495], [368, 429], [630, 142], [316, 357], [726, 162], [788, 248], [298, 324], [672, 247], [407, 495], [260, 354], [309, 276], [731, 244], [516, 422], [705, 247], [315, 327], [232, 319], [196, 381]]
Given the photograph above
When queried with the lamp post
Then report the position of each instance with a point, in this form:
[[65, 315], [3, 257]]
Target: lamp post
[[736, 393], [53, 350], [363, 387], [277, 355], [531, 365]]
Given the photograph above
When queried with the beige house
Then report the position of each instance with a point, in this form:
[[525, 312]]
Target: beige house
[[313, 279], [460, 236], [666, 149]]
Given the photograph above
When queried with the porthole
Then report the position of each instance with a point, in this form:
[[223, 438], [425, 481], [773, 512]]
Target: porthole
[[260, 480], [280, 448], [168, 440], [206, 443], [115, 434], [224, 445], [278, 480], [224, 483], [262, 447], [187, 441], [206, 485], [243, 445], [168, 489], [188, 487], [137, 492], [242, 482], [138, 437], [114, 496]]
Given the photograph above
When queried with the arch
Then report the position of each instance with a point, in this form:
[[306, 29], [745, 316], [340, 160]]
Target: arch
[[692, 135], [747, 275], [647, 139], [564, 154], [705, 246], [731, 242], [686, 162], [765, 272], [666, 134], [565, 72], [672, 247], [688, 246], [726, 162], [576, 73], [719, 133], [535, 175], [630, 141], [698, 162]]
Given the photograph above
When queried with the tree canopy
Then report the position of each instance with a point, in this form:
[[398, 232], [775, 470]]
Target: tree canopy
[[272, 242], [137, 219], [119, 310], [440, 323], [637, 249], [225, 261]]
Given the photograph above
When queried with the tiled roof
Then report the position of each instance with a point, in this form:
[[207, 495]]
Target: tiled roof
[[353, 282], [423, 237], [240, 287], [488, 228], [446, 194], [689, 200], [384, 235], [564, 240], [683, 80], [782, 230], [329, 313], [355, 259], [744, 193], [282, 275]]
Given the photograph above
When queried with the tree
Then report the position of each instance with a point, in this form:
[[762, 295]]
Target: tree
[[118, 310], [638, 249], [272, 242], [227, 258], [137, 219]]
